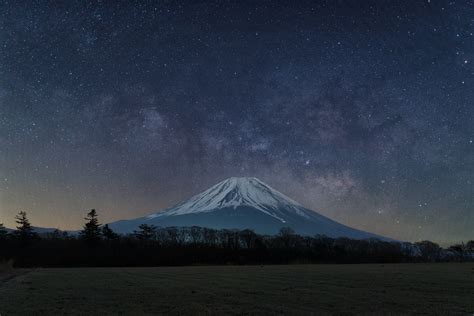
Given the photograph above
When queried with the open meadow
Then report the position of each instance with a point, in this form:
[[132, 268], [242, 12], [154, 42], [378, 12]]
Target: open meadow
[[431, 289]]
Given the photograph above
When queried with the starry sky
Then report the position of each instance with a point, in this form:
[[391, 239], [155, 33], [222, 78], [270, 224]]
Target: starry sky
[[360, 110]]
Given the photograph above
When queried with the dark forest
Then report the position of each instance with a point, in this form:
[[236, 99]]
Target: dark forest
[[98, 245]]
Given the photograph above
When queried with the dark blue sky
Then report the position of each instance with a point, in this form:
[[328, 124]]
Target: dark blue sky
[[360, 110]]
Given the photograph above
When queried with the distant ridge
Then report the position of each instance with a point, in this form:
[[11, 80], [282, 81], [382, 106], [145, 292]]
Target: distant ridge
[[38, 230]]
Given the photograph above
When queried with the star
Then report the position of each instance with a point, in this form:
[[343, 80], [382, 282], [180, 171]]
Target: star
[[133, 107]]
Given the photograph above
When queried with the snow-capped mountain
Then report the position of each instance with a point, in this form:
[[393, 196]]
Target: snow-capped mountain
[[244, 203], [235, 192]]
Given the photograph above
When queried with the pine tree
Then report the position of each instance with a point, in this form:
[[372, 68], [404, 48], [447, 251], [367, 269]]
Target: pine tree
[[108, 233], [146, 232], [24, 230], [91, 231]]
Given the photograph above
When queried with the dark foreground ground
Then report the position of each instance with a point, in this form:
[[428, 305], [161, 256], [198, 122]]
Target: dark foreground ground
[[430, 289]]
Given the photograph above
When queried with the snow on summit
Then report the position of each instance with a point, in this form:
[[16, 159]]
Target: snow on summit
[[234, 192]]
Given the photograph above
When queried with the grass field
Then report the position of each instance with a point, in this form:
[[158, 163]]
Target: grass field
[[430, 289]]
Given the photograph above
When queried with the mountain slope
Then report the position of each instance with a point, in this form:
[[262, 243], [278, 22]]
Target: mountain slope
[[243, 203]]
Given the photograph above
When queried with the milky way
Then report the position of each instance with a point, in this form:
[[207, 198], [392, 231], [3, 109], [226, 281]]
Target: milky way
[[360, 110]]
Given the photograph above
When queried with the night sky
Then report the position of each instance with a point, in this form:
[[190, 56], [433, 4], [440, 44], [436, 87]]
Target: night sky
[[360, 110]]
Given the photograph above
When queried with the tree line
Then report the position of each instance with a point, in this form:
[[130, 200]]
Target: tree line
[[99, 245]]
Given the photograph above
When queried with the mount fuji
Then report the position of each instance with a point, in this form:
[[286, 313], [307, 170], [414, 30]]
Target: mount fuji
[[244, 203]]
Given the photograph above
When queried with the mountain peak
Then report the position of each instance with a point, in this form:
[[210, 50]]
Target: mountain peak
[[244, 203], [239, 181], [243, 183], [232, 193]]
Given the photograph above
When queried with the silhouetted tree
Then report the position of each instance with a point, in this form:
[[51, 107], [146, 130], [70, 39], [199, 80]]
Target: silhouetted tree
[[248, 237], [470, 246], [228, 238], [429, 251], [108, 233], [91, 231], [470, 249], [209, 236], [459, 250], [287, 236], [196, 235], [24, 231], [3, 232], [56, 234], [146, 232], [172, 236]]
